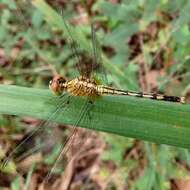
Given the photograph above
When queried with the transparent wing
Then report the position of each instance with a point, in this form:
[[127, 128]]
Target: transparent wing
[[97, 64], [82, 61], [84, 114], [68, 143], [61, 105], [87, 65]]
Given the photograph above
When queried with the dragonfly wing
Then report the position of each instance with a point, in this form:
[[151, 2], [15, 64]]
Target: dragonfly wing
[[97, 65], [68, 143], [86, 65], [75, 48], [40, 129], [77, 52], [86, 147]]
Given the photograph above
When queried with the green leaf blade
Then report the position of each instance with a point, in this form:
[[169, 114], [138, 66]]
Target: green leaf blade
[[155, 121]]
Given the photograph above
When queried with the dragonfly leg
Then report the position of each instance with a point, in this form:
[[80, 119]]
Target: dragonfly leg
[[90, 108]]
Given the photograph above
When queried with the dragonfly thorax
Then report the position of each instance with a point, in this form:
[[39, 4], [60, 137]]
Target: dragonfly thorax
[[82, 86]]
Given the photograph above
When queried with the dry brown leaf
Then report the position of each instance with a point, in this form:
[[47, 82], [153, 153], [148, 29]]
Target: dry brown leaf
[[180, 184]]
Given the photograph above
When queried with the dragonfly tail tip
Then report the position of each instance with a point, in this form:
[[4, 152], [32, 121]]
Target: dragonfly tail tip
[[182, 100]]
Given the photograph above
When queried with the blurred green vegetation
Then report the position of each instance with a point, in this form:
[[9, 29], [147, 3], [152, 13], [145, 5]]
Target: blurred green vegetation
[[145, 45]]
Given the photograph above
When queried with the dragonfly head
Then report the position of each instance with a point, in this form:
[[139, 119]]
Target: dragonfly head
[[57, 85]]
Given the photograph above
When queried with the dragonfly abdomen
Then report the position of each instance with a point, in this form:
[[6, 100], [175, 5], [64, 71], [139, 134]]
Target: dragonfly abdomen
[[104, 90]]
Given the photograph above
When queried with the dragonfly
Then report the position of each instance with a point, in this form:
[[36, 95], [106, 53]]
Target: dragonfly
[[86, 85]]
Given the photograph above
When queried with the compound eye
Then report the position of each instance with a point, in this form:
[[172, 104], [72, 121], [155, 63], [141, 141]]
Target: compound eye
[[60, 81]]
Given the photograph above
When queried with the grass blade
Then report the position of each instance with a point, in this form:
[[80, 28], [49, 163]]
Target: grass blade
[[155, 121]]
